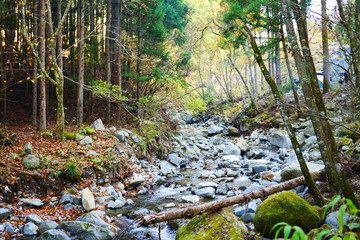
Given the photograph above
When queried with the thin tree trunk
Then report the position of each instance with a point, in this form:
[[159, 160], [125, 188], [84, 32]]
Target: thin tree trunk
[[118, 77], [325, 45], [190, 212], [59, 40], [277, 59], [42, 45], [108, 57], [80, 97], [35, 67]]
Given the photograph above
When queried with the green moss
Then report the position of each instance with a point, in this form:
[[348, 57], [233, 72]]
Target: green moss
[[343, 141], [316, 231], [70, 136], [87, 131], [285, 207], [345, 132], [47, 135], [212, 226]]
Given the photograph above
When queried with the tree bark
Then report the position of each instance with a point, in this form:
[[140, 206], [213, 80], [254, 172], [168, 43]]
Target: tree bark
[[35, 68], [325, 45], [190, 212], [108, 57], [42, 46], [80, 96]]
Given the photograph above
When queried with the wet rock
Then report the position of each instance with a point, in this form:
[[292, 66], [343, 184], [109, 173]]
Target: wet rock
[[33, 218], [47, 225], [222, 189], [333, 219], [294, 170], [5, 213], [96, 220], [190, 198], [30, 229], [285, 207], [253, 187], [214, 130], [86, 141], [119, 203], [54, 234], [280, 139], [31, 162], [207, 184], [86, 231], [27, 148], [259, 169], [207, 192], [88, 201], [212, 226], [34, 202], [247, 217], [267, 175], [98, 125]]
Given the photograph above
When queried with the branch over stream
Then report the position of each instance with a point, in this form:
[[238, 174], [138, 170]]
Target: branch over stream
[[190, 212]]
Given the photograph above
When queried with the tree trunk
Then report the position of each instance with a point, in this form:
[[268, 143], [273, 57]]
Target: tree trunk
[[108, 57], [80, 97], [190, 212], [325, 45], [35, 67], [59, 40], [118, 72], [42, 46], [290, 130], [277, 59]]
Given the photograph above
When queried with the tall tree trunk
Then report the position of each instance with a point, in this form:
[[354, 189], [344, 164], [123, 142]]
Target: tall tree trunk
[[290, 130], [35, 67], [314, 100], [118, 71], [277, 58], [325, 45], [59, 40], [42, 45], [80, 97], [108, 57]]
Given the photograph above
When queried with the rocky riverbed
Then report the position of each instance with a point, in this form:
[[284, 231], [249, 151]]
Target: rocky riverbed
[[210, 160]]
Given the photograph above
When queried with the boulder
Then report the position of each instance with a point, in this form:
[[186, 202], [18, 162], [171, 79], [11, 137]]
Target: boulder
[[233, 131], [166, 167], [30, 229], [294, 170], [31, 162], [27, 148], [34, 202], [207, 184], [207, 192], [231, 149], [190, 198], [47, 225], [285, 207], [135, 180], [34, 218], [212, 226], [346, 132], [86, 141], [54, 234], [5, 213], [86, 231], [214, 130], [280, 139], [88, 201], [242, 144], [98, 125], [96, 220], [118, 203], [175, 159]]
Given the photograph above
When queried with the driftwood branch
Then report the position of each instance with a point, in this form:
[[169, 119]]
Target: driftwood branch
[[190, 212]]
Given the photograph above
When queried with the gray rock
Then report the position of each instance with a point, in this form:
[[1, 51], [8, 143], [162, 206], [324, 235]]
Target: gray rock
[[259, 169], [166, 167], [315, 156], [96, 220], [2, 228], [170, 205], [218, 140], [294, 170], [231, 149], [86, 231], [66, 198], [141, 211], [219, 173], [54, 234], [280, 139], [332, 219], [5, 213], [86, 141], [30, 229], [10, 228], [47, 225], [98, 125], [135, 180], [207, 184], [242, 144], [27, 148], [159, 180], [311, 140], [231, 173], [93, 153], [175, 159], [214, 130], [309, 131], [190, 198], [253, 187], [33, 218], [248, 217], [222, 189], [31, 162], [88, 201], [119, 203], [255, 134], [301, 138], [34, 202], [207, 192]]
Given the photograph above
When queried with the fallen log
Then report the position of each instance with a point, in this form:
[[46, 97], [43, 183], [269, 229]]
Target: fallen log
[[190, 212]]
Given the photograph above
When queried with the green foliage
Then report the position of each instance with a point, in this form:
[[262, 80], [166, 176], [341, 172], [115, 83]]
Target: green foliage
[[70, 136], [194, 104], [71, 171], [346, 230], [87, 131]]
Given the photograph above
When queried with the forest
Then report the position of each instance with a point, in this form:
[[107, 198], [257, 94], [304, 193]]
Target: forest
[[156, 111]]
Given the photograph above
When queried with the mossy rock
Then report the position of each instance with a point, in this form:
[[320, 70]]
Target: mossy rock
[[343, 141], [72, 172], [312, 234], [345, 132], [70, 136], [46, 135], [212, 226], [285, 207], [89, 131]]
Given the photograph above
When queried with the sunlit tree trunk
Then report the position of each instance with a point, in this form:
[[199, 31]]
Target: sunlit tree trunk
[[42, 46], [35, 67], [81, 35], [325, 45]]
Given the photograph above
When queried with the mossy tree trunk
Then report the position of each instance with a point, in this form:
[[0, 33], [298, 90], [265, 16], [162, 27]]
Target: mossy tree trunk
[[281, 106]]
